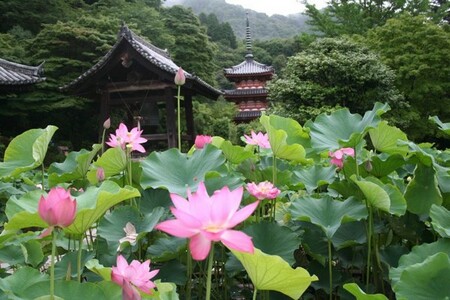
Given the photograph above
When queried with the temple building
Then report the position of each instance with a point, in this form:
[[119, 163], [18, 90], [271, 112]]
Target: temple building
[[139, 77], [17, 77], [250, 78]]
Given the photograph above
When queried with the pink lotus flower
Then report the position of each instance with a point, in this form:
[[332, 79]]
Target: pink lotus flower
[[338, 156], [263, 190], [260, 139], [180, 78], [124, 138], [132, 276], [57, 210], [206, 219], [202, 140]]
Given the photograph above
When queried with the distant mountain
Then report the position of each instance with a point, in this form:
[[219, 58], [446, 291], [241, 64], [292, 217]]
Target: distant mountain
[[262, 26]]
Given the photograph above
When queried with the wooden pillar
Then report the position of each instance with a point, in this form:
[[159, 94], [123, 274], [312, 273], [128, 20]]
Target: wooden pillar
[[170, 117], [189, 118]]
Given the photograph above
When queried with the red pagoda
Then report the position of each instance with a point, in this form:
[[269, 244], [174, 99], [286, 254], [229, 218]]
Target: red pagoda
[[250, 78]]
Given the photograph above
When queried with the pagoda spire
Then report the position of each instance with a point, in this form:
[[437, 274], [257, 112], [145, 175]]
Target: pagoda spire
[[248, 40]]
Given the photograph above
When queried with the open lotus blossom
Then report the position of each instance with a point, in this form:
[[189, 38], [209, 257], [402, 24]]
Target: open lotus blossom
[[57, 209], [180, 78], [338, 156], [263, 190], [132, 276], [259, 139], [205, 219], [130, 236], [124, 138], [202, 140]]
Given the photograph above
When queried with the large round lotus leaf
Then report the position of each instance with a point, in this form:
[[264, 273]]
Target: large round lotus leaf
[[74, 167], [26, 151], [426, 280], [315, 176], [423, 191], [343, 129], [272, 273], [274, 239], [21, 280], [235, 154], [176, 171], [113, 162], [440, 220], [417, 256], [374, 194], [385, 139], [65, 290], [328, 213]]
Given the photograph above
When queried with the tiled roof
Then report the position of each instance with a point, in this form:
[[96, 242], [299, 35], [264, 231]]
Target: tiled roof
[[245, 92], [248, 114], [248, 66], [153, 54], [17, 74]]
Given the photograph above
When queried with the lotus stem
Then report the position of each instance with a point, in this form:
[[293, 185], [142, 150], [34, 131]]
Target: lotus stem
[[179, 119], [330, 269], [103, 140], [274, 180], [52, 266], [80, 249], [209, 274], [188, 273], [255, 291], [369, 245]]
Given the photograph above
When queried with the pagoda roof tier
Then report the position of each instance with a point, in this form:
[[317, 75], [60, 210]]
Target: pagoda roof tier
[[249, 67], [149, 54], [14, 74], [248, 114], [246, 92]]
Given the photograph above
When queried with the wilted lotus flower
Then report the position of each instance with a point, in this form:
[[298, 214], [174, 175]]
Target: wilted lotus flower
[[130, 236], [124, 139], [263, 190], [57, 210], [180, 78], [132, 276], [338, 156], [260, 139], [206, 219], [202, 140]]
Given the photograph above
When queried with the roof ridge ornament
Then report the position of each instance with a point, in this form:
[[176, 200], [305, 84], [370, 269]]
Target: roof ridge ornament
[[248, 40], [125, 31]]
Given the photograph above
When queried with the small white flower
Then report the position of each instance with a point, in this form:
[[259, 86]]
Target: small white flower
[[130, 236]]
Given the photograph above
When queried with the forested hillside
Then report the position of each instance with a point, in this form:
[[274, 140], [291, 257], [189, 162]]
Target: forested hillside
[[263, 26], [401, 57]]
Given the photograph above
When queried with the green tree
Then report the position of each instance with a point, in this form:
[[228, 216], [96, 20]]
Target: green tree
[[356, 17], [218, 32], [334, 72], [418, 51], [192, 49]]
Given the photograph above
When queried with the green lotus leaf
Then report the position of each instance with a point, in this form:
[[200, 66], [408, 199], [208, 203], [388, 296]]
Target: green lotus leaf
[[375, 195], [235, 154], [166, 248], [440, 219], [64, 290], [271, 272], [26, 151], [22, 279], [315, 176], [397, 200], [425, 280], [274, 239], [328, 213], [350, 234], [445, 127], [383, 165], [343, 129], [91, 205], [94, 266], [75, 166], [282, 145], [67, 266], [359, 294], [295, 132], [113, 162], [176, 171], [418, 255], [423, 190], [385, 139]]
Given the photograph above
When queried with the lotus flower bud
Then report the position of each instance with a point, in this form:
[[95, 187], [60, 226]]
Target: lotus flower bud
[[180, 78], [58, 209], [107, 123], [368, 166], [100, 174], [202, 140]]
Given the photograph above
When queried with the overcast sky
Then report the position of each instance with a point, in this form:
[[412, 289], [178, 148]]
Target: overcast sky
[[281, 7]]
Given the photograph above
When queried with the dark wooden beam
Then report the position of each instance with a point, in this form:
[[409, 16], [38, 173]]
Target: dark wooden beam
[[143, 85]]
